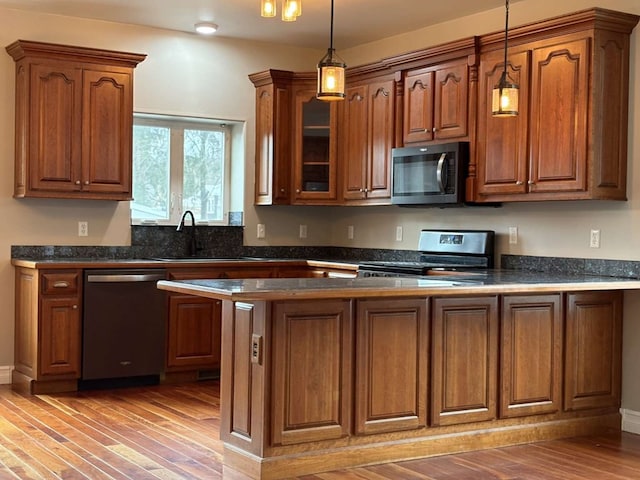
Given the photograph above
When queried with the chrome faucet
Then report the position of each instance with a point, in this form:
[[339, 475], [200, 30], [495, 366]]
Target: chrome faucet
[[192, 245]]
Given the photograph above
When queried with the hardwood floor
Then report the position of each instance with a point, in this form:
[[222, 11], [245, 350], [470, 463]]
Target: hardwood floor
[[171, 432]]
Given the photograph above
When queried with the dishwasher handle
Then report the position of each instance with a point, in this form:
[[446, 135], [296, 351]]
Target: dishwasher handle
[[125, 277]]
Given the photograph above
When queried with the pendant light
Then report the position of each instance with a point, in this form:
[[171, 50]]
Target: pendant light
[[331, 73], [505, 93], [291, 9], [268, 8]]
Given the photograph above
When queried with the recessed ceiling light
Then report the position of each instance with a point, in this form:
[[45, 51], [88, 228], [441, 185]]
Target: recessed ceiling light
[[206, 28]]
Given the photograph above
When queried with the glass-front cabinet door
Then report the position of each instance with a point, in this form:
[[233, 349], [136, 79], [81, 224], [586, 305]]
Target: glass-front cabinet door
[[314, 149]]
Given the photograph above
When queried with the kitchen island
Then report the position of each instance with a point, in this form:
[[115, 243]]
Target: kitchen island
[[326, 373]]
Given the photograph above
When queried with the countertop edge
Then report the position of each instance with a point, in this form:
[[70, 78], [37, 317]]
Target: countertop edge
[[346, 291]]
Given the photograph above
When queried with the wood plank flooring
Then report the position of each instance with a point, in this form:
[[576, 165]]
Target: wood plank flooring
[[171, 432]]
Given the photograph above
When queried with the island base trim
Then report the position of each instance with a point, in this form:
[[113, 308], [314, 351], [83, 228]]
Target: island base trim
[[287, 466]]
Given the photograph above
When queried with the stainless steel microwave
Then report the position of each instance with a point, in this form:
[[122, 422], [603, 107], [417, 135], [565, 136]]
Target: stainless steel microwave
[[429, 175]]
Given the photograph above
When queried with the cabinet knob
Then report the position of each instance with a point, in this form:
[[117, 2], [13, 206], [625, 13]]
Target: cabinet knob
[[282, 190], [75, 307], [361, 190], [297, 190], [434, 129], [86, 182], [518, 182], [77, 182], [530, 182], [366, 190], [426, 130]]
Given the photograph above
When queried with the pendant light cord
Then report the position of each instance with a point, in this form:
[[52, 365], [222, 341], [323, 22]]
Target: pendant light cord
[[331, 39], [506, 35]]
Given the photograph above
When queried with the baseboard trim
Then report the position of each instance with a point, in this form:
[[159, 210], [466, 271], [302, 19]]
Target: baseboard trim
[[630, 421], [5, 375]]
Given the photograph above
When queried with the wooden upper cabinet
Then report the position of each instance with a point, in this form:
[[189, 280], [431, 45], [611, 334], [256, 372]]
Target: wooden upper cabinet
[[569, 140], [436, 103], [315, 127], [273, 137], [502, 142], [74, 121], [366, 137]]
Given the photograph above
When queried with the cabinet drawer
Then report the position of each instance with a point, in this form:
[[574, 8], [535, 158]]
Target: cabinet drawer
[[62, 282]]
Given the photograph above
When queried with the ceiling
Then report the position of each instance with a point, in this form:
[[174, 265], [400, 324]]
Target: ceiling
[[356, 21]]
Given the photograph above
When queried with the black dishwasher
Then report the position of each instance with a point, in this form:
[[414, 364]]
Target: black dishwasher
[[123, 328]]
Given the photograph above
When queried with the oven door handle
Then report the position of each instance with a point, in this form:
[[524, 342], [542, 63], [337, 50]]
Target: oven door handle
[[439, 173]]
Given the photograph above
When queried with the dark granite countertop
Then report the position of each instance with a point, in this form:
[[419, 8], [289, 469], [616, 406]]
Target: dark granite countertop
[[487, 282]]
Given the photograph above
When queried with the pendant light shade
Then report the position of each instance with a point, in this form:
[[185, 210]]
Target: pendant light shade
[[331, 72], [291, 9], [505, 93], [268, 8]]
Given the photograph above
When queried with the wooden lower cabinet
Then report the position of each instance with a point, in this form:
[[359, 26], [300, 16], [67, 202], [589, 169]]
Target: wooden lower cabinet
[[464, 351], [593, 353], [392, 365], [193, 333], [317, 385], [48, 330], [194, 323], [531, 343], [312, 371]]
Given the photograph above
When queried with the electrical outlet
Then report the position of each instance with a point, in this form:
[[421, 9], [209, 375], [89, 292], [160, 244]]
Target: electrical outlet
[[350, 232], [261, 233], [83, 229], [398, 233], [513, 235], [303, 231], [594, 239]]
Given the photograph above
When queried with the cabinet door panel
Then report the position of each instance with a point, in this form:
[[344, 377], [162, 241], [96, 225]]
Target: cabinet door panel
[[559, 107], [451, 102], [55, 149], [60, 336], [465, 360], [381, 138], [273, 144], [354, 151], [194, 332], [593, 350], [391, 365], [531, 347], [502, 141], [106, 133], [311, 371], [315, 148], [418, 107]]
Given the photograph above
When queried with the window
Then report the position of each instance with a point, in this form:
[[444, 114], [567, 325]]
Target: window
[[179, 164]]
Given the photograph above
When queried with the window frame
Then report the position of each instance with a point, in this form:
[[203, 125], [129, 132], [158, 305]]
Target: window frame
[[176, 125]]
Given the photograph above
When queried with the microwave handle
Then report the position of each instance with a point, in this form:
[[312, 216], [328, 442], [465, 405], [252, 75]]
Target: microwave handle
[[439, 179]]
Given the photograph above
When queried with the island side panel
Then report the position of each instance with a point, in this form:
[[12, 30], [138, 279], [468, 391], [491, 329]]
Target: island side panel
[[243, 371]]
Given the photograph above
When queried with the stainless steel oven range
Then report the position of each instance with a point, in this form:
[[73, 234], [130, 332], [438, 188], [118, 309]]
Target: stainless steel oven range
[[441, 251]]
